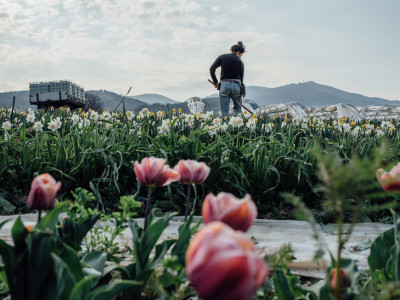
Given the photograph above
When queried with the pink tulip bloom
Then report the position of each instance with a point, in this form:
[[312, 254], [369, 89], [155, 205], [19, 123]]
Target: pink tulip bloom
[[192, 171], [343, 279], [238, 214], [154, 172], [43, 192], [390, 181], [223, 264]]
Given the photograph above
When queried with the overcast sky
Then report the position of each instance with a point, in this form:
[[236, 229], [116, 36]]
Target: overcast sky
[[167, 46]]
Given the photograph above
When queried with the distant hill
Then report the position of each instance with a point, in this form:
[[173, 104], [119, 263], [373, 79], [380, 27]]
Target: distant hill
[[309, 94], [154, 98], [21, 100], [111, 100]]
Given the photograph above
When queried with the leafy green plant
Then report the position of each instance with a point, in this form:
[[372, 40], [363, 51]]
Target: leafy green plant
[[36, 267], [102, 237], [79, 221], [171, 282], [144, 242]]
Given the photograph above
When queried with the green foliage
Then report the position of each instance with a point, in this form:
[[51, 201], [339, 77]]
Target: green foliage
[[6, 207], [79, 221], [102, 237], [171, 283], [144, 241], [96, 150], [37, 267], [384, 262]]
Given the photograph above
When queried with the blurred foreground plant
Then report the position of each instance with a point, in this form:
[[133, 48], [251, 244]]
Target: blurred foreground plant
[[37, 267], [347, 187]]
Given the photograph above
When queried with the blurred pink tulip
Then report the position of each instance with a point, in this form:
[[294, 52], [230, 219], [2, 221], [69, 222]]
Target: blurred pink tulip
[[43, 192], [154, 172], [343, 279], [390, 181], [223, 264], [192, 171], [238, 214]]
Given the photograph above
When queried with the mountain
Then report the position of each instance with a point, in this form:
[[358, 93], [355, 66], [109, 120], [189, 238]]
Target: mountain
[[309, 94], [21, 100], [306, 93], [111, 100], [154, 98]]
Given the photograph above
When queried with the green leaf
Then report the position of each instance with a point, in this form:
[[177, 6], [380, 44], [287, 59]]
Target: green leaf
[[185, 234], [6, 207], [96, 260], [73, 233], [71, 259], [281, 285], [146, 240], [3, 223], [380, 251], [161, 250], [83, 287], [65, 277], [40, 246], [8, 256], [49, 221], [109, 291], [19, 233]]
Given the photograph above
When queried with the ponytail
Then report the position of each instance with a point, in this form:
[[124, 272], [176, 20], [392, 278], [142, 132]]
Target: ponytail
[[239, 47]]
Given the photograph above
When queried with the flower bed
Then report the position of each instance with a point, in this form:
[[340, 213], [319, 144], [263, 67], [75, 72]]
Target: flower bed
[[261, 156]]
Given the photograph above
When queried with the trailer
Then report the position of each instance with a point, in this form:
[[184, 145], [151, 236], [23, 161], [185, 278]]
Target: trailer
[[46, 94]]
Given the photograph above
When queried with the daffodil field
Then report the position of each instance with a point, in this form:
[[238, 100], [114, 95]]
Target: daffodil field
[[247, 154], [99, 175]]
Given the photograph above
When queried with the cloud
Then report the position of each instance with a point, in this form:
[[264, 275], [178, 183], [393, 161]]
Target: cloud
[[168, 45]]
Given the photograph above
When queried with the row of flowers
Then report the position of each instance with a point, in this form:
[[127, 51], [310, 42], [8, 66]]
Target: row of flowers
[[208, 121]]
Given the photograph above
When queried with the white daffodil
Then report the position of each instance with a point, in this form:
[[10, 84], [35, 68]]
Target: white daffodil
[[163, 129], [94, 115], [52, 125], [38, 126], [6, 125], [236, 121], [346, 127], [30, 117], [130, 115], [75, 119], [380, 133]]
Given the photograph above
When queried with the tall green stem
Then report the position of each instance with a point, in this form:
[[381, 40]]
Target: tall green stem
[[148, 204], [187, 201]]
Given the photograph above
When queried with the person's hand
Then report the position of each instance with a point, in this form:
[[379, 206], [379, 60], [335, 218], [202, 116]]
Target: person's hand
[[215, 84]]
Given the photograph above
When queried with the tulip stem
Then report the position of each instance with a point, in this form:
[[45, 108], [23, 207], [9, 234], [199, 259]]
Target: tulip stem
[[39, 215], [187, 201], [148, 204]]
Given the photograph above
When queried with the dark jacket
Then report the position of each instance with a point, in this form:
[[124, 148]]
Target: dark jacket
[[231, 65]]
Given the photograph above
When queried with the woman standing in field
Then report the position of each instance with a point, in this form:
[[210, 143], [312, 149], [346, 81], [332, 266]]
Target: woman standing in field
[[231, 79]]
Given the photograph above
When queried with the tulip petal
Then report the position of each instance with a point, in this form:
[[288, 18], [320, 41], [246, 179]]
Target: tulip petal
[[192, 171], [238, 214], [236, 267], [43, 192], [154, 172]]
